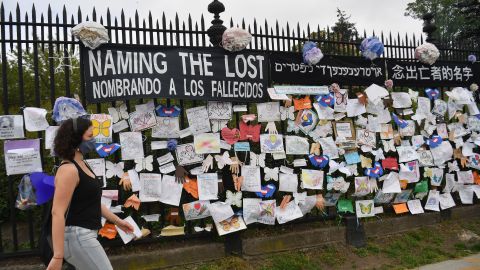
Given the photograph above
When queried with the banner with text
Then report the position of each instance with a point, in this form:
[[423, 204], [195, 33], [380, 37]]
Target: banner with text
[[116, 72], [288, 68], [441, 73]]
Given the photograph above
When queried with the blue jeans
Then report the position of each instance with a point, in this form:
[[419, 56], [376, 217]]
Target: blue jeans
[[82, 249]]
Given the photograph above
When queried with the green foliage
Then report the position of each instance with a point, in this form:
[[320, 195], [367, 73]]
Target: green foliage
[[339, 41], [456, 19], [29, 84], [343, 28], [470, 30]]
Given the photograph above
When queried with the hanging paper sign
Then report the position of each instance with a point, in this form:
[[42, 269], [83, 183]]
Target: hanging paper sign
[[441, 73], [22, 156], [288, 68], [300, 90], [11, 127], [115, 72]]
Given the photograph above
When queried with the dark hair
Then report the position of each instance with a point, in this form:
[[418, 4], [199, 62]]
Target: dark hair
[[69, 137]]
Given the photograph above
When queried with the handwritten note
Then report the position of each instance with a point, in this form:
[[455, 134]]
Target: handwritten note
[[251, 179], [207, 186]]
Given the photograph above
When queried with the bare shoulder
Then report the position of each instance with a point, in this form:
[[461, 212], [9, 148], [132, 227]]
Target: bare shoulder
[[68, 173], [66, 169]]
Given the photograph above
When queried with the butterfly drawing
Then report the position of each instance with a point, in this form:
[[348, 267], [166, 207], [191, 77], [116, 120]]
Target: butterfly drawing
[[292, 126], [366, 209], [341, 167], [287, 113], [101, 127], [267, 209], [207, 228], [413, 95], [143, 119], [437, 179], [453, 166], [271, 174], [257, 159], [223, 160], [118, 113], [379, 155], [234, 199], [230, 224], [361, 185], [340, 98], [218, 125], [144, 164], [389, 146], [113, 169]]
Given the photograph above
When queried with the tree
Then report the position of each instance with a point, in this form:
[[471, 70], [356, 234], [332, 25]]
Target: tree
[[470, 30], [343, 31], [457, 19], [343, 28], [15, 103]]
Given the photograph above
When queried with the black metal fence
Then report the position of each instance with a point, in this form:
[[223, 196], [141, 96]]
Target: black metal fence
[[40, 62]]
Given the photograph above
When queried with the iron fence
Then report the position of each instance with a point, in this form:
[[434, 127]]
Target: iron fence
[[40, 62]]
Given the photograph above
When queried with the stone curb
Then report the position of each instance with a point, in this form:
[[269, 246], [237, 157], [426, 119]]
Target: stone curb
[[257, 246], [169, 257]]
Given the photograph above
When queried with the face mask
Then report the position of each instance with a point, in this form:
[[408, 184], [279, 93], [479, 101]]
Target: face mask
[[87, 146]]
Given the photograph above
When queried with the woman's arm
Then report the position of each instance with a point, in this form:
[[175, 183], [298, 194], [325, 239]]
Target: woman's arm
[[106, 213], [66, 180]]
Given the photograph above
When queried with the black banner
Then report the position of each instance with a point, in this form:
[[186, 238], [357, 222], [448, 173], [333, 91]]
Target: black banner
[[441, 73], [116, 72], [288, 68]]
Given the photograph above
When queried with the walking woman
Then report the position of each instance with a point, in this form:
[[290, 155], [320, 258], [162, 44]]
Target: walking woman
[[77, 208]]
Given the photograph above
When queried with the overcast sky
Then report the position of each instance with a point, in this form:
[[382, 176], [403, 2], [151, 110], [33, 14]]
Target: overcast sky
[[377, 15]]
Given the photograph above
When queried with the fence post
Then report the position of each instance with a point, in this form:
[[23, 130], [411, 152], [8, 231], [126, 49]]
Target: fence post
[[446, 214], [217, 28], [355, 232], [233, 244]]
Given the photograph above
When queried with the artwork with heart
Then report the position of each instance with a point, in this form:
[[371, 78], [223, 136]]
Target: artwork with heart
[[231, 136], [253, 125], [196, 210], [319, 161], [250, 132], [267, 191]]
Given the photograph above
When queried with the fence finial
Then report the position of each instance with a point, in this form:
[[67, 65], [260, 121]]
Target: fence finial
[[215, 31], [429, 27]]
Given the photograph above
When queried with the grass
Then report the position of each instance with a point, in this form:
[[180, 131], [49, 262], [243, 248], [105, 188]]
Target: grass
[[400, 251]]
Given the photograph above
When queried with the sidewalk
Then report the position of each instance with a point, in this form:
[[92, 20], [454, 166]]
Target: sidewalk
[[467, 263]]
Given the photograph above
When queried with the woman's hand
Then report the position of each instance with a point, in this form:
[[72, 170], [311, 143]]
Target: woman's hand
[[125, 226], [55, 264]]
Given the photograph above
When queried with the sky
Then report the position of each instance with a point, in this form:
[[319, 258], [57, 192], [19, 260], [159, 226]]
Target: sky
[[370, 15]]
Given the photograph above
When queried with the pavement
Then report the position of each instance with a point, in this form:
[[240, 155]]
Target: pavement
[[467, 263]]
